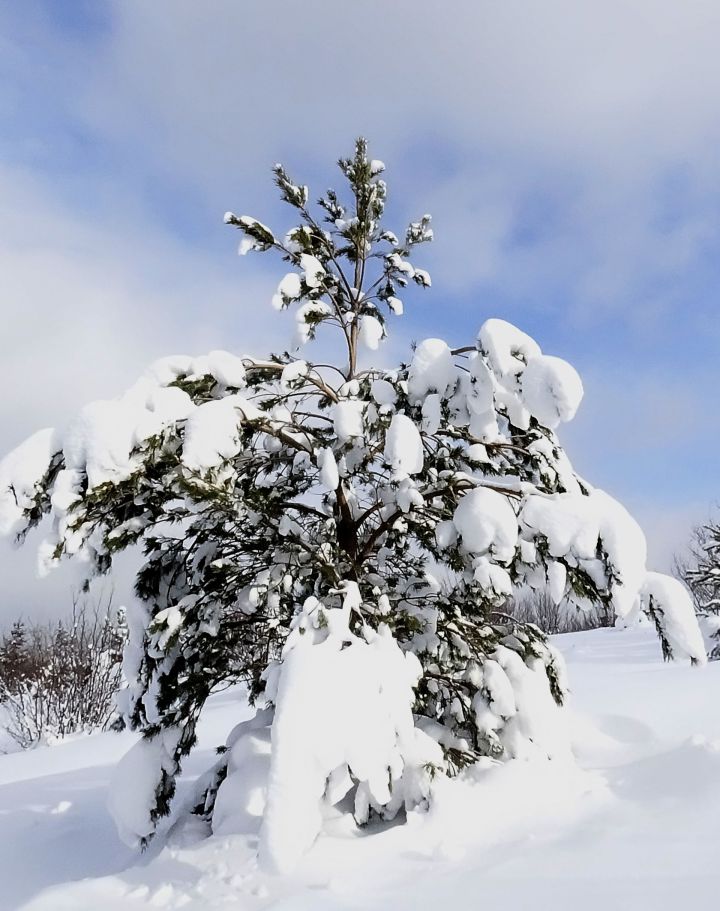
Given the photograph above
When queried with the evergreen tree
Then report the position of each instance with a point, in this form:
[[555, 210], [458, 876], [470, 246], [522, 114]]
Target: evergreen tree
[[297, 516], [14, 653]]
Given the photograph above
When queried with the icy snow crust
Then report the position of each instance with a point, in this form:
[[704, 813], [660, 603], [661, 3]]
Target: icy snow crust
[[554, 533]]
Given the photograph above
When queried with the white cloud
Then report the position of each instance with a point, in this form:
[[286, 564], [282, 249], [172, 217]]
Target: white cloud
[[582, 111], [87, 303], [543, 77]]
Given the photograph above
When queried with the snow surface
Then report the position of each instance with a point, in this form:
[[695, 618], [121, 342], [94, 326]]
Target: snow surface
[[304, 315], [360, 725], [634, 825], [313, 270], [242, 797], [383, 392]]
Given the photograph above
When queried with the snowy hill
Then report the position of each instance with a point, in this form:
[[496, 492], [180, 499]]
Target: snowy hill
[[635, 826]]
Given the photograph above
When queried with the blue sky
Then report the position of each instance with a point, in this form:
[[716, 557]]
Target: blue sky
[[568, 154]]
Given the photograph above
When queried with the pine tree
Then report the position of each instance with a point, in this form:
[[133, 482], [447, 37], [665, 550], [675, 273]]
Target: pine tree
[[283, 505], [14, 657]]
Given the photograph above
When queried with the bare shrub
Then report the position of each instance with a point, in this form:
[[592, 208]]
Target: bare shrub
[[540, 609], [699, 569], [60, 678]]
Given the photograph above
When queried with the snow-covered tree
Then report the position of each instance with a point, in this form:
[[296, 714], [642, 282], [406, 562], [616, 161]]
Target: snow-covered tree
[[700, 571], [340, 538]]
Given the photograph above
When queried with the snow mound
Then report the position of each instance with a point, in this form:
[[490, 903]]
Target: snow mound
[[241, 798], [133, 784], [326, 738]]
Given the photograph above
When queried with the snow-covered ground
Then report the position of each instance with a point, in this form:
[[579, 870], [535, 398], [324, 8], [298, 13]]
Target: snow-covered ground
[[636, 826]]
